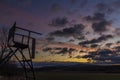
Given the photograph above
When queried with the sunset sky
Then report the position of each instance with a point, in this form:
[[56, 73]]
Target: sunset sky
[[73, 30]]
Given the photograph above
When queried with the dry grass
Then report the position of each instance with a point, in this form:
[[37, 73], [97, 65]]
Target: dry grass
[[77, 76], [69, 76], [12, 78]]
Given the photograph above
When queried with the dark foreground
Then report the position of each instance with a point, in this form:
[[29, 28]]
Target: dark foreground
[[76, 76], [76, 72], [69, 76]]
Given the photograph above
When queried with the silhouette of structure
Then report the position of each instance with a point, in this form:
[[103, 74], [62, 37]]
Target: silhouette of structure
[[25, 46]]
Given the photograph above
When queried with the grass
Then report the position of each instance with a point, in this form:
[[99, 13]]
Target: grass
[[76, 76], [70, 76]]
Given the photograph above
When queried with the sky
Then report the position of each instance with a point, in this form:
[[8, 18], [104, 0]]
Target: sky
[[73, 30]]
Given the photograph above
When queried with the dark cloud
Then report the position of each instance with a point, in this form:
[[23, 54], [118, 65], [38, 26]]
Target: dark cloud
[[105, 37], [81, 51], [96, 17], [62, 51], [108, 8], [117, 48], [71, 40], [100, 55], [58, 48], [98, 40], [57, 33], [74, 31], [109, 44], [71, 50], [59, 22], [100, 26], [65, 51], [94, 45], [93, 41], [118, 42], [105, 55], [99, 22], [81, 38], [47, 49]]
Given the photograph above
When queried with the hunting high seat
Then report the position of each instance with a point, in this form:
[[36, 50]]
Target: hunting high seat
[[19, 44]]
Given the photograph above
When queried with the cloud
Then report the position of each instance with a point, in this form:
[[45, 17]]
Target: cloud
[[96, 17], [101, 26], [99, 22], [118, 42], [100, 55], [71, 40], [98, 40], [94, 45], [74, 31], [117, 48], [109, 44], [59, 22], [66, 50], [62, 51], [81, 38], [71, 50], [56, 50], [105, 55], [108, 8], [47, 49]]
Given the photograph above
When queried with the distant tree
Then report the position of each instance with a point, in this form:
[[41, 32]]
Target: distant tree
[[10, 68], [3, 40]]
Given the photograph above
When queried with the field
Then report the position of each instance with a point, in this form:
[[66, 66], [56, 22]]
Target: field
[[77, 76], [70, 76], [77, 72]]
